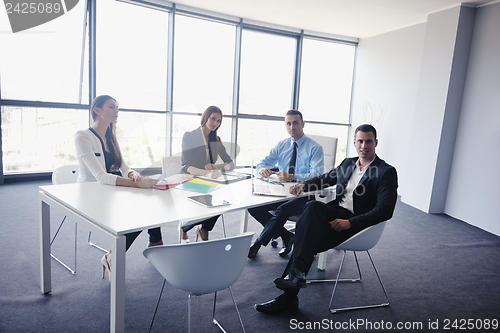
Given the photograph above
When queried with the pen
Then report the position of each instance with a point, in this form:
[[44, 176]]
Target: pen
[[216, 168]]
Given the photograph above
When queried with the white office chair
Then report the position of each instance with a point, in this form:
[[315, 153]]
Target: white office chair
[[362, 241], [68, 174], [169, 160], [213, 265]]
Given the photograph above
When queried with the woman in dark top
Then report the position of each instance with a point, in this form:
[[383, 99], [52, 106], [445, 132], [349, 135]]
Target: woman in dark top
[[200, 150]]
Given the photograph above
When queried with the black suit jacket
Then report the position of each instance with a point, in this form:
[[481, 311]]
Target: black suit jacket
[[375, 196], [194, 152]]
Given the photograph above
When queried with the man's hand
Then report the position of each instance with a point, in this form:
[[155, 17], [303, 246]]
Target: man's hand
[[340, 224], [284, 176], [297, 189], [266, 173]]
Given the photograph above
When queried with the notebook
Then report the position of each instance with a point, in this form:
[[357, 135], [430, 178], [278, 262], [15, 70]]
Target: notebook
[[263, 187], [198, 185]]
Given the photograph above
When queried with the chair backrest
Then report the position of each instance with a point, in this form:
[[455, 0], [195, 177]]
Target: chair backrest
[[202, 268], [169, 160], [329, 145], [65, 174], [363, 240]]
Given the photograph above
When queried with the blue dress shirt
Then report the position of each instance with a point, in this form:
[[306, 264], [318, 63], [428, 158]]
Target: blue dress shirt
[[309, 161]]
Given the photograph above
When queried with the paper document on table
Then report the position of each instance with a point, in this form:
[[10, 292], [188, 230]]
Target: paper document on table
[[175, 179], [227, 177]]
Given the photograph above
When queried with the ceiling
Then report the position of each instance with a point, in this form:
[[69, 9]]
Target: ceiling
[[349, 18]]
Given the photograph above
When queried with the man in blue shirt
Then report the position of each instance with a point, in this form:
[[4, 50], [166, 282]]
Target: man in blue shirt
[[298, 158]]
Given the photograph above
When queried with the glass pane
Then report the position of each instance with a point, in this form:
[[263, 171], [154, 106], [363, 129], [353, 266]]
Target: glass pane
[[326, 81], [203, 65], [267, 71], [257, 137], [38, 139], [185, 123], [132, 54], [43, 63], [142, 138]]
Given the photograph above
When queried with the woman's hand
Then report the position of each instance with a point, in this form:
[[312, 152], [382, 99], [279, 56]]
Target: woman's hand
[[212, 174], [134, 175], [210, 166], [145, 182]]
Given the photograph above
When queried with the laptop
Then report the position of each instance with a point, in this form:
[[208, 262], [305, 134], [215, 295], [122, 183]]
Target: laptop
[[265, 187]]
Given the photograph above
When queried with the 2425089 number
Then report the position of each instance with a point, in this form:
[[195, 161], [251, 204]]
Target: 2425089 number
[[32, 8], [470, 324]]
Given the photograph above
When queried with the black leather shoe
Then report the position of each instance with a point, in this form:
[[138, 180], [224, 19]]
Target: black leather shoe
[[287, 246], [253, 250], [294, 280], [278, 305]]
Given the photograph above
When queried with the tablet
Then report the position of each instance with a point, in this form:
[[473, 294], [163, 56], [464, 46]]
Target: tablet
[[209, 201]]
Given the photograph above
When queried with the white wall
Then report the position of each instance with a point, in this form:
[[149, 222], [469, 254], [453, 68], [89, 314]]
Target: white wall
[[473, 192], [387, 76]]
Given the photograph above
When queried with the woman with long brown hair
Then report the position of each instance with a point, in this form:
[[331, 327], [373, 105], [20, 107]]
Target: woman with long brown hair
[[100, 159], [200, 150]]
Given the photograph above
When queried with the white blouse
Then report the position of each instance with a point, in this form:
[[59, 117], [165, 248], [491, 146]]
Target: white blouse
[[92, 166]]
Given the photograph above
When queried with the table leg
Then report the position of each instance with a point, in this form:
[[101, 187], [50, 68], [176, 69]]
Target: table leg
[[45, 269], [244, 221], [117, 314]]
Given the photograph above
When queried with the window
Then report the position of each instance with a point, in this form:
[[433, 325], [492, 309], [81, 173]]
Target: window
[[141, 137], [131, 55], [43, 63], [326, 81], [41, 83], [267, 72], [203, 65], [40, 139]]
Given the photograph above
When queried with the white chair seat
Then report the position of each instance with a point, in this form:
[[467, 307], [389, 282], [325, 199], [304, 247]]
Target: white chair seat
[[202, 268]]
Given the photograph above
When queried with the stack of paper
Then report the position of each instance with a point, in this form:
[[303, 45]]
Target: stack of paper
[[172, 181]]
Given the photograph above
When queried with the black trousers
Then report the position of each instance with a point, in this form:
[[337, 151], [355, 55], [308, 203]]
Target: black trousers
[[154, 236], [313, 233], [274, 226], [207, 224]]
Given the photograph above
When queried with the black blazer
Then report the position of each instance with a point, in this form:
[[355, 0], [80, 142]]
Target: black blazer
[[194, 152], [374, 199]]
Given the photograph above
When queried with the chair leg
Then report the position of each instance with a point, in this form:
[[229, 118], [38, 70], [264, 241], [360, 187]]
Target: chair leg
[[157, 304], [223, 226], [358, 307], [95, 245], [358, 279], [189, 313], [237, 312], [59, 260]]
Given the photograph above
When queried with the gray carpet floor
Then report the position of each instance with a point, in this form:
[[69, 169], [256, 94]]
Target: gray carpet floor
[[439, 273]]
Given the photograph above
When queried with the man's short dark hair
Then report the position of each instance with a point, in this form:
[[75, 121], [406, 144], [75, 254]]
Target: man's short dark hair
[[366, 128], [294, 113]]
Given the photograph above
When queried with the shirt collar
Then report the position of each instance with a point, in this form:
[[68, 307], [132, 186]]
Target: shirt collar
[[365, 167], [299, 141]]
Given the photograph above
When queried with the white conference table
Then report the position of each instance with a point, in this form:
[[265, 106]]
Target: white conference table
[[112, 211]]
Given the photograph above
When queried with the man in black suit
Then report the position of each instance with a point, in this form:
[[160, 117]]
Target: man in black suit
[[366, 194]]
